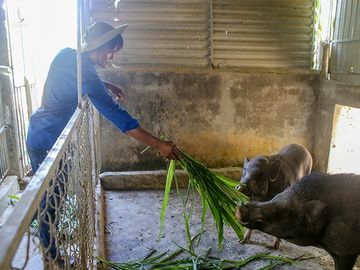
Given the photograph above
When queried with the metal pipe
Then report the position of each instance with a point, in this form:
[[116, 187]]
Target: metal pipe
[[345, 40], [211, 33], [78, 54]]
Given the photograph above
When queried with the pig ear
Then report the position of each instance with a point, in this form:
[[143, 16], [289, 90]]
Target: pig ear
[[313, 210], [266, 159], [275, 167], [245, 161]]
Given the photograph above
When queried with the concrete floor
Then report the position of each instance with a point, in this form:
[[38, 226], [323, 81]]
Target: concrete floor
[[34, 261], [132, 229]]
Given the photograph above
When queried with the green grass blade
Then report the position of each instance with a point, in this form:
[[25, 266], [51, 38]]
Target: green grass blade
[[217, 193], [169, 178]]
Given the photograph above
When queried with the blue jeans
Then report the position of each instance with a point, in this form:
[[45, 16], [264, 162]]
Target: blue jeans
[[47, 205]]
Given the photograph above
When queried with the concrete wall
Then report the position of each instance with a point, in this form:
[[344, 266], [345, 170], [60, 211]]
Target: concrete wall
[[7, 106], [331, 93], [4, 57], [216, 116]]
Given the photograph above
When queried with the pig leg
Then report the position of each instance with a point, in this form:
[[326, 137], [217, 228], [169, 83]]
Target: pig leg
[[247, 236], [343, 263], [276, 243], [237, 213], [247, 232]]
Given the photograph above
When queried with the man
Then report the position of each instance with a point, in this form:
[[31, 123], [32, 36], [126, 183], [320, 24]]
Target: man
[[59, 101]]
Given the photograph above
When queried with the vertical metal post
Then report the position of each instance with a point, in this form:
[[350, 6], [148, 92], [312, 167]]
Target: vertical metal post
[[85, 16], [332, 28], [21, 21], [28, 97], [211, 34], [324, 68], [78, 55], [79, 91], [332, 11]]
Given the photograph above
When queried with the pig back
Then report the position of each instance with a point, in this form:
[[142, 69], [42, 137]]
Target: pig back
[[340, 193], [297, 162]]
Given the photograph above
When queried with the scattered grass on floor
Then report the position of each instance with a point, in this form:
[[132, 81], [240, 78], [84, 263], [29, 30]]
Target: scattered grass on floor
[[190, 260]]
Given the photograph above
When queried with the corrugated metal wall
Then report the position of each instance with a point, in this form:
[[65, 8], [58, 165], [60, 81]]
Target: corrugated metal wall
[[345, 47], [231, 33], [260, 33], [165, 32]]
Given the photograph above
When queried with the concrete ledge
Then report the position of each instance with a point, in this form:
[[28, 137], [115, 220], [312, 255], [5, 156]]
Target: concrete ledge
[[9, 186], [133, 180]]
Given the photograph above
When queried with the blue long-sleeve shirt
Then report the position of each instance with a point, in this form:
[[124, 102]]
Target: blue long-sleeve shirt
[[59, 101]]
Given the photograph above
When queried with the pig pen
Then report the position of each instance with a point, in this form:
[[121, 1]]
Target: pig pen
[[129, 221]]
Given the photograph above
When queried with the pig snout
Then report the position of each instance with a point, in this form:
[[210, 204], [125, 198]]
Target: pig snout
[[249, 214], [243, 189]]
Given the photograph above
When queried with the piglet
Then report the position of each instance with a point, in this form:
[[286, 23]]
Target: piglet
[[267, 176]]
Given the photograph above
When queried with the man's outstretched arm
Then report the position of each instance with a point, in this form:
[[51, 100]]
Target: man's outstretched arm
[[166, 148]]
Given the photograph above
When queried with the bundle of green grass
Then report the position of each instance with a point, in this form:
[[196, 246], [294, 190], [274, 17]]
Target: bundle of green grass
[[216, 191]]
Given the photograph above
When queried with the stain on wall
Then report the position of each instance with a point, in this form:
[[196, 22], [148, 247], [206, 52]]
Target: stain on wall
[[216, 116]]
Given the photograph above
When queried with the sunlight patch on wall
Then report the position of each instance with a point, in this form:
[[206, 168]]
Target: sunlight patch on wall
[[344, 154]]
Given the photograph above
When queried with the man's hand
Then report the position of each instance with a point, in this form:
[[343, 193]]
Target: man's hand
[[166, 148], [116, 92], [169, 150]]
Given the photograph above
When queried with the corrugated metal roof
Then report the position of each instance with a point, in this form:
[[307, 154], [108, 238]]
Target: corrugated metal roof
[[233, 33], [345, 47]]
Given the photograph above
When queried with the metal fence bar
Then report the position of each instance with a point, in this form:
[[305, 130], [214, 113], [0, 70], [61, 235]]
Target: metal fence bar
[[66, 180], [23, 114], [23, 107], [34, 96], [4, 158], [19, 117], [28, 98]]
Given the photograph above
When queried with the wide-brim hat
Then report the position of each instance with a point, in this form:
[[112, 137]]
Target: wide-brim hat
[[98, 33]]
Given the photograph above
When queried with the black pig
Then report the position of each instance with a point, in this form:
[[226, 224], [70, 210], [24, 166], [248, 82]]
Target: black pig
[[267, 176], [320, 210]]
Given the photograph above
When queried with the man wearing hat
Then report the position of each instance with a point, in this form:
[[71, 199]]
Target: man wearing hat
[[59, 102]]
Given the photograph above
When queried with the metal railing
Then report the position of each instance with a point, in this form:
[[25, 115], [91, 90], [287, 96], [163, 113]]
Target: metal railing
[[4, 158], [24, 104], [344, 60], [61, 196]]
